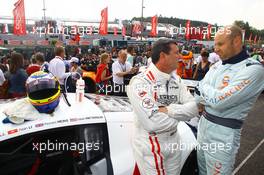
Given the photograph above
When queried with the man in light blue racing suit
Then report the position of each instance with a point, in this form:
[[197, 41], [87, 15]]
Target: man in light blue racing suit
[[228, 92]]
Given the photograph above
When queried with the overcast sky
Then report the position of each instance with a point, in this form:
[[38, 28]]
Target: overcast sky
[[222, 12]]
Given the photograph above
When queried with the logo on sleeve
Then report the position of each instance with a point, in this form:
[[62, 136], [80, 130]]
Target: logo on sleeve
[[225, 82], [142, 94], [147, 103]]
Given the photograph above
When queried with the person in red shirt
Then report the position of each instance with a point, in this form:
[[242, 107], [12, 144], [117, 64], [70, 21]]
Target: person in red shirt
[[103, 74], [33, 67]]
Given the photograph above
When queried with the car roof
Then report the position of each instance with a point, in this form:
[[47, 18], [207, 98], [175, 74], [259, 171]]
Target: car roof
[[63, 116]]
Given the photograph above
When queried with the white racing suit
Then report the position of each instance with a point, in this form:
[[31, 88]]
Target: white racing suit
[[155, 132], [228, 92]]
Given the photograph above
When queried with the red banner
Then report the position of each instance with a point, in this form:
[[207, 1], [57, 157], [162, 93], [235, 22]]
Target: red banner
[[84, 42], [103, 29], [19, 18], [14, 42], [28, 42], [137, 28], [209, 28], [154, 23], [43, 42], [1, 42], [123, 31], [115, 31], [188, 26]]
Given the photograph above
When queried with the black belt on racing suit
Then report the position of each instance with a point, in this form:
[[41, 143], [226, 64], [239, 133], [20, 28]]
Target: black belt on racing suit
[[227, 122]]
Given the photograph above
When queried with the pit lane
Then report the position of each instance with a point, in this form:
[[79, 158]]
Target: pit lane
[[250, 158]]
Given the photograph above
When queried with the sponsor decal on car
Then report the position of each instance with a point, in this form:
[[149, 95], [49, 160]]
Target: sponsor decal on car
[[25, 128], [63, 121], [85, 118], [13, 131], [39, 125]]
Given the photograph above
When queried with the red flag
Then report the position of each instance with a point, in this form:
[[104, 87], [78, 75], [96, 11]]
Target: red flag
[[187, 34], [255, 39], [154, 23], [77, 37], [249, 39], [19, 18], [123, 31], [103, 29], [136, 28], [209, 32], [201, 33], [115, 31]]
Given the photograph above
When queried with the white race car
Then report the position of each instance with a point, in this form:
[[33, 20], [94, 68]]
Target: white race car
[[92, 137]]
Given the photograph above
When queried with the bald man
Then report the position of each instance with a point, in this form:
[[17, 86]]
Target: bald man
[[228, 92], [120, 69]]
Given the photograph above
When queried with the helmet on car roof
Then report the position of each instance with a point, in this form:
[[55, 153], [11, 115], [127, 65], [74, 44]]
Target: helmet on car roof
[[43, 91]]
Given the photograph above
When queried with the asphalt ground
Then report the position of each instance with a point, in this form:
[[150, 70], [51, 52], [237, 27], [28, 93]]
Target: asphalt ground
[[250, 158]]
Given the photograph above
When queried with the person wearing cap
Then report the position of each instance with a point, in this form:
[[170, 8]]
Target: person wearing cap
[[75, 65]]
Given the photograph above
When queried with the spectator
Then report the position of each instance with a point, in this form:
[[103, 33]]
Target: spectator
[[75, 65], [103, 75], [57, 66], [40, 60], [2, 77], [120, 69], [3, 83], [130, 53], [16, 76], [33, 67], [202, 67], [199, 58], [213, 58]]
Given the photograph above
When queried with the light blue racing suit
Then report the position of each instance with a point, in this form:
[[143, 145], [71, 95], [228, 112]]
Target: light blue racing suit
[[228, 91]]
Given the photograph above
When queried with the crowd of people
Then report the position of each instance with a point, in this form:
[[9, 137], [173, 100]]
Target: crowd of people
[[111, 70]]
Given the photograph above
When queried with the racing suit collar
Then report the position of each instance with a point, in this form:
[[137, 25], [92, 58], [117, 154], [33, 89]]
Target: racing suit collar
[[158, 73], [237, 58]]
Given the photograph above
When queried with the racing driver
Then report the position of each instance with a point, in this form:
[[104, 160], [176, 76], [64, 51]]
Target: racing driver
[[160, 100]]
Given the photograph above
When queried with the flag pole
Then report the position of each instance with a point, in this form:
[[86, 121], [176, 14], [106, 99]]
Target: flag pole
[[44, 17], [142, 9]]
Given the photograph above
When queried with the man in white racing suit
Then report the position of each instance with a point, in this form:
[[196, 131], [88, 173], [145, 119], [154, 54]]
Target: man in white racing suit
[[228, 92], [160, 100]]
